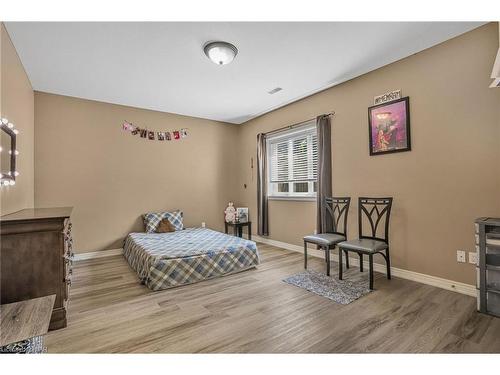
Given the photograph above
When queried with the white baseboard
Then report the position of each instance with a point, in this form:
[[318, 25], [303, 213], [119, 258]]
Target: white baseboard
[[439, 282], [97, 254]]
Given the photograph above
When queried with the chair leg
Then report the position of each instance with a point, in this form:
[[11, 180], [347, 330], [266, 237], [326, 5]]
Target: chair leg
[[327, 261], [305, 255], [388, 262], [346, 259], [370, 260], [340, 264], [360, 262]]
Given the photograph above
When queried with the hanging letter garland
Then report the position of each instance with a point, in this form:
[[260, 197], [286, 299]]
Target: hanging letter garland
[[153, 134]]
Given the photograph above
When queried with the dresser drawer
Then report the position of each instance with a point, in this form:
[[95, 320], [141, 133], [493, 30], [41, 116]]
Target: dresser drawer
[[493, 279], [68, 244], [67, 285], [68, 239], [493, 303], [68, 269], [67, 226]]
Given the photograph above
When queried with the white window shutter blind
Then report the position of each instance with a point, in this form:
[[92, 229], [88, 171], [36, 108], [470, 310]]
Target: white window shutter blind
[[293, 156], [279, 161]]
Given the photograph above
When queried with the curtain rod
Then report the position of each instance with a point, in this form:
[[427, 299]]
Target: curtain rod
[[288, 127]]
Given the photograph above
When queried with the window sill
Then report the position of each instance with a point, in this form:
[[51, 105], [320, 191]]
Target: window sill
[[303, 199]]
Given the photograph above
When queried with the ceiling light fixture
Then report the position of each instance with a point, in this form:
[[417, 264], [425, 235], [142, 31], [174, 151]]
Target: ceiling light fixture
[[221, 53]]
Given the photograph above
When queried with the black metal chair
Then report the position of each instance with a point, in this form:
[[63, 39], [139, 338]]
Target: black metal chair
[[374, 209], [337, 208]]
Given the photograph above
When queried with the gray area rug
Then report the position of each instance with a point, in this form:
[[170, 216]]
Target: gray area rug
[[354, 285]]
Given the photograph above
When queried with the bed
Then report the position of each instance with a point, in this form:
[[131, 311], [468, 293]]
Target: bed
[[168, 260]]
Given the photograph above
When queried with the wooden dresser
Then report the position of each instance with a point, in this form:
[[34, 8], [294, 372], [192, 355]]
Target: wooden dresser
[[36, 256]]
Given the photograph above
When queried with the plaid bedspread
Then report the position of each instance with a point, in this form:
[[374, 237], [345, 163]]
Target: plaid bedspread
[[167, 260]]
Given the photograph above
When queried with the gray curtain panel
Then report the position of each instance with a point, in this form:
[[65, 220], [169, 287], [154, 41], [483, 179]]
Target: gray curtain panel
[[324, 221], [262, 210]]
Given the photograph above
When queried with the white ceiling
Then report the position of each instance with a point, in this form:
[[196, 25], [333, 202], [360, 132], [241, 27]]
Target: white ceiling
[[161, 66]]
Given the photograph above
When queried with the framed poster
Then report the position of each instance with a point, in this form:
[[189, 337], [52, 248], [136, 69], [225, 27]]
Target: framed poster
[[389, 127]]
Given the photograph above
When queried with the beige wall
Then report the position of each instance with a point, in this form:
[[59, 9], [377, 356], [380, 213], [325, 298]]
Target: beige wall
[[440, 187], [16, 100], [84, 159]]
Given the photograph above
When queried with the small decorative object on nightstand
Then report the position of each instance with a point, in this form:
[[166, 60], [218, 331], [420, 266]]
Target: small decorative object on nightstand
[[242, 214], [230, 213], [238, 228]]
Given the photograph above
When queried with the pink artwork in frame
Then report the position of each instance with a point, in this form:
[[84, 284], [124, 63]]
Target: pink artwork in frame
[[389, 127]]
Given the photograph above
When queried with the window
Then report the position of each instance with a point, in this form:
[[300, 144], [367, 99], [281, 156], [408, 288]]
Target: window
[[292, 158]]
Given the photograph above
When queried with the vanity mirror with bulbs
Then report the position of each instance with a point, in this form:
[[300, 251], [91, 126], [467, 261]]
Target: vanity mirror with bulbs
[[8, 153]]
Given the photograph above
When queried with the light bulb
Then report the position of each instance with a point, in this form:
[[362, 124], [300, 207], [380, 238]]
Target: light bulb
[[1, 148], [5, 183], [16, 152], [10, 125], [15, 131], [4, 121], [16, 173], [12, 182]]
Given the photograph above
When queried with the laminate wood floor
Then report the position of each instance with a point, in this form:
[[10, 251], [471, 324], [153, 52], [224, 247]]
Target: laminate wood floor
[[255, 312]]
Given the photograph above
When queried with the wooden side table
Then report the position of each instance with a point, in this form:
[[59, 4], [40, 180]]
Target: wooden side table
[[238, 228], [23, 324]]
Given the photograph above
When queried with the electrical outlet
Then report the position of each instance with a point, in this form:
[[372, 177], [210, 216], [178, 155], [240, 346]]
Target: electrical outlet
[[203, 224], [461, 256], [473, 257]]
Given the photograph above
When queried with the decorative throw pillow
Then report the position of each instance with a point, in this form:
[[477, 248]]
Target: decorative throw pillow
[[165, 226], [153, 219]]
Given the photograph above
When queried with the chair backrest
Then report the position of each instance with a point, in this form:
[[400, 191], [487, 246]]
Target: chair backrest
[[338, 208], [375, 211]]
